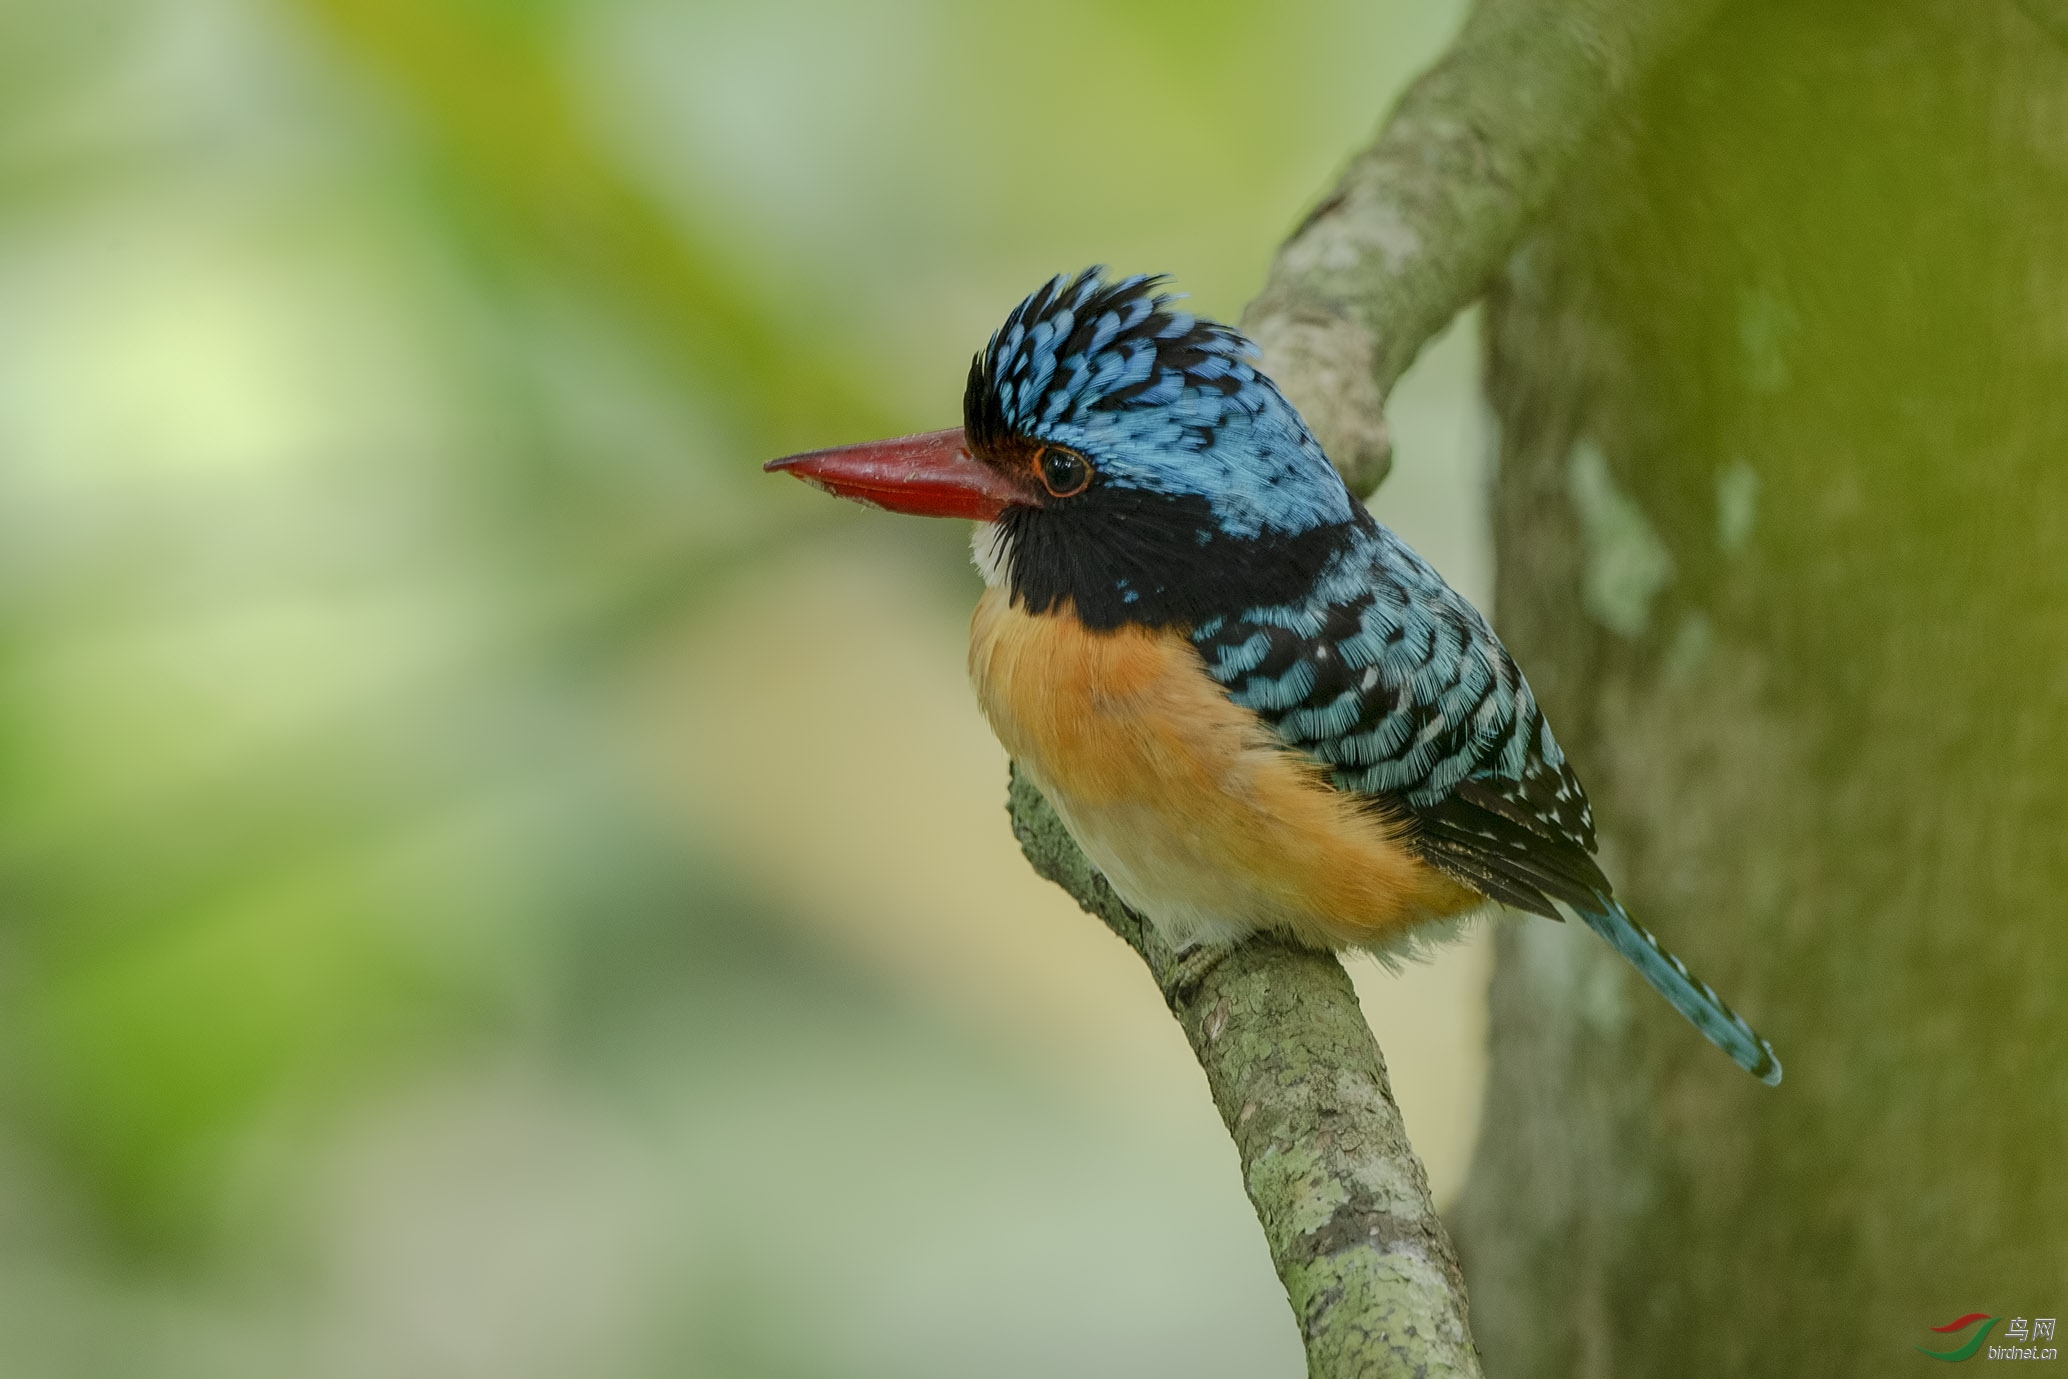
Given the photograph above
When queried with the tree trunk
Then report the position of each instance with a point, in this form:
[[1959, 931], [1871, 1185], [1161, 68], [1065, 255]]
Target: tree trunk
[[1782, 520]]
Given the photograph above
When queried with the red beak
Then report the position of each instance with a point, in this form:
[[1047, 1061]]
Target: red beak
[[933, 475]]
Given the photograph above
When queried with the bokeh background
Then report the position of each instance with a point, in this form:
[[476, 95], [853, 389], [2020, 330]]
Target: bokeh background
[[490, 883]]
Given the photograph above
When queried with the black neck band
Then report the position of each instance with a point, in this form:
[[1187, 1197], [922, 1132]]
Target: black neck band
[[1124, 556]]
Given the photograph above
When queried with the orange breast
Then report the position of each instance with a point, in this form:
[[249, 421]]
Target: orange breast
[[1197, 815]]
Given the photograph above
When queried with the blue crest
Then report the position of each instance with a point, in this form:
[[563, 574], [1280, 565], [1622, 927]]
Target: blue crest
[[1159, 400]]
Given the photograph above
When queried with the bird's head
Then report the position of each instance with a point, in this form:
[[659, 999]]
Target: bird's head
[[1127, 458]]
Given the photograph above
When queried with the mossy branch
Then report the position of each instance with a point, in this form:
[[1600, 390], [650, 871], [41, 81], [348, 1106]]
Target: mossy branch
[[1420, 220], [1301, 1086], [1413, 231]]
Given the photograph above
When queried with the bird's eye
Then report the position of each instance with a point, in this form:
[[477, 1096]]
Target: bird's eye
[[1065, 472]]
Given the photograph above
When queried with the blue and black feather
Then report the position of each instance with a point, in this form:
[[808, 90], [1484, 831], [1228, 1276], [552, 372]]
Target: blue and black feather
[[1391, 680], [1395, 683]]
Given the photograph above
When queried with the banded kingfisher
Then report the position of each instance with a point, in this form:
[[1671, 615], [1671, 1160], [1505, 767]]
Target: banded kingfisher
[[1252, 705]]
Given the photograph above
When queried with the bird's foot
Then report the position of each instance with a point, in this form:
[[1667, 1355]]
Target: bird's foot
[[1189, 971]]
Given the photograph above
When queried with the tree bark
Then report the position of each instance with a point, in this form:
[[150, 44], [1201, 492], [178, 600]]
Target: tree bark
[[1782, 528]]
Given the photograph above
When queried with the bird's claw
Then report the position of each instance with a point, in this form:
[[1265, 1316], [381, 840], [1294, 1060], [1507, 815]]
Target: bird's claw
[[1189, 971]]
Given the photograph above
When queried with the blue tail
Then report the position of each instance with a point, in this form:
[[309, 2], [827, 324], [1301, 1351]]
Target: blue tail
[[1689, 994]]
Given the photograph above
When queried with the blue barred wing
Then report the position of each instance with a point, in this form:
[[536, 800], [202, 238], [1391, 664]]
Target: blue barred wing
[[1396, 684]]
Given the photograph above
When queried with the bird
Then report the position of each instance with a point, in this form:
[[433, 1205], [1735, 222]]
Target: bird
[[1253, 706]]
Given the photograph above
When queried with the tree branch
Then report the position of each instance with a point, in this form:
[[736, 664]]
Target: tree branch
[[1421, 219], [1301, 1086], [1415, 228]]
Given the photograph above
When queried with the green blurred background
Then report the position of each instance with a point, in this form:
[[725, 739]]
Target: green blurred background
[[490, 883]]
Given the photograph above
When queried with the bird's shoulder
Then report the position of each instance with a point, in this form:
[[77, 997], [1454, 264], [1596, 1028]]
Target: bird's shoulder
[[1393, 681]]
